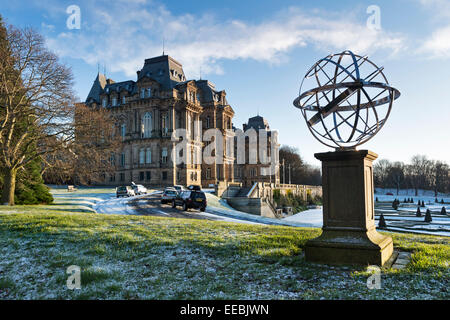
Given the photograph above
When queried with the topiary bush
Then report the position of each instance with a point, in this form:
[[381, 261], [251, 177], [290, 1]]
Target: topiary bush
[[418, 213], [428, 216], [382, 222]]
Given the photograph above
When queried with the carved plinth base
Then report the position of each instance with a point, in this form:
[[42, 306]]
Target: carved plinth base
[[349, 235]]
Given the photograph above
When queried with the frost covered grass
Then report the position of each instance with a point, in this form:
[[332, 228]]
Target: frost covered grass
[[143, 257]]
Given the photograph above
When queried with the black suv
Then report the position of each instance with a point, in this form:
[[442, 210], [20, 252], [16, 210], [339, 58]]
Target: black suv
[[190, 199]]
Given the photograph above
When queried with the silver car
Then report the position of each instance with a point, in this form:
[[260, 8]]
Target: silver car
[[124, 191], [168, 195], [139, 189]]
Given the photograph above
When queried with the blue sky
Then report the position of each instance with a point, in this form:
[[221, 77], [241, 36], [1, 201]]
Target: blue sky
[[258, 51]]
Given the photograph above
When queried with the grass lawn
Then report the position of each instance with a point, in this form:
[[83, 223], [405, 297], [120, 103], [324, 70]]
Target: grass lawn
[[137, 257]]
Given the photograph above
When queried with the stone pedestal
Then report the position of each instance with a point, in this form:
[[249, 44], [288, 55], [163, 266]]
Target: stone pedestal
[[349, 235]]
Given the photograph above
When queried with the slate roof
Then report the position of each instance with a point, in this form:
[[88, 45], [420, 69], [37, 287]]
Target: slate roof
[[256, 123], [164, 69], [128, 85], [97, 88]]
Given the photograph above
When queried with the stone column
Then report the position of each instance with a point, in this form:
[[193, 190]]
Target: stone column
[[349, 235]]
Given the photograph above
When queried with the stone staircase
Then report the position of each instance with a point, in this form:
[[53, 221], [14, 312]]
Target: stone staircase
[[243, 192]]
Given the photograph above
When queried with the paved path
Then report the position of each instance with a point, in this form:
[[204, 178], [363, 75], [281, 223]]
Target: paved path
[[150, 205]]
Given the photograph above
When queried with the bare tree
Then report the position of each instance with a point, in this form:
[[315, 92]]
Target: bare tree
[[37, 110], [418, 171], [380, 172], [90, 157], [439, 177], [301, 172], [396, 175]]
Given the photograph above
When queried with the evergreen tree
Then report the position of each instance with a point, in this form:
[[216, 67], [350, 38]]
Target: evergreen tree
[[428, 216]]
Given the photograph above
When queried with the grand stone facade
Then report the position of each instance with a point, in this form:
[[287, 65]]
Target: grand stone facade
[[258, 170], [148, 110]]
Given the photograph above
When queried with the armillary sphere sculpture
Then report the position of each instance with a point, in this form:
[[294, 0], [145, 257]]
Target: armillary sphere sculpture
[[346, 99]]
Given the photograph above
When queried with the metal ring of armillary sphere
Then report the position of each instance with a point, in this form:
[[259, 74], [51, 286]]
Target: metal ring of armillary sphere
[[347, 100]]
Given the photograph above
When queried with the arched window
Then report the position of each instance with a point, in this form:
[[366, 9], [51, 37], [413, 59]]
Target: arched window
[[147, 125]]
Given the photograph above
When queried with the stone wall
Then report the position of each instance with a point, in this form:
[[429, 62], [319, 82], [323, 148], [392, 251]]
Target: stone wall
[[263, 190], [260, 196], [255, 206]]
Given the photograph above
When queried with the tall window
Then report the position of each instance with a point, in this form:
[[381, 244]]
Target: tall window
[[147, 125], [123, 130], [104, 102], [165, 123], [141, 156], [208, 122], [149, 92], [124, 100], [148, 155], [142, 93], [164, 155], [114, 102], [122, 159]]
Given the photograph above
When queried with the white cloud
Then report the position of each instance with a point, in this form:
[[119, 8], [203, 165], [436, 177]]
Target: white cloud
[[127, 33], [437, 45]]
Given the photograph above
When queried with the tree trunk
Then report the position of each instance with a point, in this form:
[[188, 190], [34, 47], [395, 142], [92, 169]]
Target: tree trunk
[[9, 186]]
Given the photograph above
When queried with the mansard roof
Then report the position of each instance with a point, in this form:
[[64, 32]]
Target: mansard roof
[[256, 123], [128, 85], [164, 69]]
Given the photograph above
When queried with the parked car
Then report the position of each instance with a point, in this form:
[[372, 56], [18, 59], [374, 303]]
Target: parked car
[[190, 199], [195, 188], [179, 188], [139, 189], [168, 195], [124, 191]]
